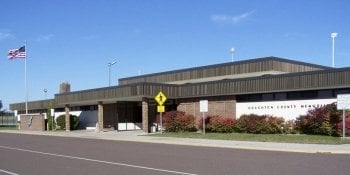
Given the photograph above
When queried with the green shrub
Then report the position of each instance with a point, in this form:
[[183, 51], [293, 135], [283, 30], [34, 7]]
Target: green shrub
[[49, 121], [175, 121], [288, 127], [325, 129], [169, 122], [259, 124], [347, 125], [74, 121], [200, 123], [221, 124], [185, 122], [217, 123], [321, 121]]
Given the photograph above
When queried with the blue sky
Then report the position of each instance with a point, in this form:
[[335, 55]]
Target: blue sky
[[73, 40]]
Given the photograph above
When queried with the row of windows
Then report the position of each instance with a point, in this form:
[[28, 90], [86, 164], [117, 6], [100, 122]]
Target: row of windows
[[79, 108]]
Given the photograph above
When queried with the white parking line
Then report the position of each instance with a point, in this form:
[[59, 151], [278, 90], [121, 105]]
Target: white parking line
[[99, 161], [8, 172]]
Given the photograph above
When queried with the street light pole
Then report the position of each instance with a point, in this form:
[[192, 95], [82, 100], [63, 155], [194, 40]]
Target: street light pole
[[45, 91], [333, 35], [232, 50], [109, 71]]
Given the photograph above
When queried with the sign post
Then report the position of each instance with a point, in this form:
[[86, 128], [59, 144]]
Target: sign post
[[160, 99], [343, 103], [203, 107], [52, 112]]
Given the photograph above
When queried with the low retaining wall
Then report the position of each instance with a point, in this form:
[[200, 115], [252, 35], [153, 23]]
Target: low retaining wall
[[32, 122]]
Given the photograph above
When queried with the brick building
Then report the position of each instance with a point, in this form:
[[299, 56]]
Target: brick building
[[269, 85]]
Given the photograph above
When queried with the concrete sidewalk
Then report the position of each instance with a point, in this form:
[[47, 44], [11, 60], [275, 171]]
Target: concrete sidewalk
[[139, 136]]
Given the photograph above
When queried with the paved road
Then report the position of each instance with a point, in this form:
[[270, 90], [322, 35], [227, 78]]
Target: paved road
[[137, 136], [35, 155]]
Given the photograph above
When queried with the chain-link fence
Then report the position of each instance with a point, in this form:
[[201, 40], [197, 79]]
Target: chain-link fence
[[8, 120]]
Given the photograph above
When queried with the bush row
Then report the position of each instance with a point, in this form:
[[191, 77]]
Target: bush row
[[175, 121], [326, 120]]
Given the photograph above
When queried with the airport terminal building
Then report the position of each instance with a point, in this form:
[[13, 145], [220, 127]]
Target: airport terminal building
[[269, 85]]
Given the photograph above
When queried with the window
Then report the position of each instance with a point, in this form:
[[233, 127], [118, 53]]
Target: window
[[267, 97], [325, 94], [281, 96]]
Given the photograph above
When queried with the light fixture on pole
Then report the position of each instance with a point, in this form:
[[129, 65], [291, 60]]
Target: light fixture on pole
[[232, 50], [333, 35], [109, 71], [45, 91]]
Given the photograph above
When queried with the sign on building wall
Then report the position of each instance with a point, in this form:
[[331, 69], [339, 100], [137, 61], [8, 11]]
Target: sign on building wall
[[289, 110]]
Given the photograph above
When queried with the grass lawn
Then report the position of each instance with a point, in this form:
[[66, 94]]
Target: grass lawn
[[8, 127], [284, 138]]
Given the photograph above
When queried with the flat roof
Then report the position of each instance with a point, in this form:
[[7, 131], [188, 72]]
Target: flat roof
[[270, 58], [235, 76]]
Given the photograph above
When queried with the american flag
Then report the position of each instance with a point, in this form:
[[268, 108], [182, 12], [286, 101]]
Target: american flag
[[17, 53]]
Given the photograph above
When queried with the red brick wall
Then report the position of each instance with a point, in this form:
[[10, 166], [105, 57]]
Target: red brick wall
[[223, 106], [32, 122]]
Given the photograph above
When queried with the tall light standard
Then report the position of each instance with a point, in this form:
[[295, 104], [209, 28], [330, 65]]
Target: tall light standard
[[109, 71], [45, 91], [333, 35], [232, 50]]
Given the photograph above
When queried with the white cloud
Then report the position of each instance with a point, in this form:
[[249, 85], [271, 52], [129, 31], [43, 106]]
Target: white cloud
[[44, 37], [4, 35], [231, 19], [220, 18], [241, 17]]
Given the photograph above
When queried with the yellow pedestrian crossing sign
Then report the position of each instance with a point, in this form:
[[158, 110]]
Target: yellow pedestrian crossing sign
[[160, 98]]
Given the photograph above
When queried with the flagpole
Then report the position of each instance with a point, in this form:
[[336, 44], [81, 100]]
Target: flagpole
[[25, 77]]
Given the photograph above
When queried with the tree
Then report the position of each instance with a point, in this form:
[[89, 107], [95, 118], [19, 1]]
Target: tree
[[61, 121], [50, 117], [322, 121], [1, 112]]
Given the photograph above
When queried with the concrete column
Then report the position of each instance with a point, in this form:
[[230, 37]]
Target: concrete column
[[145, 125], [117, 116], [67, 117], [100, 116]]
